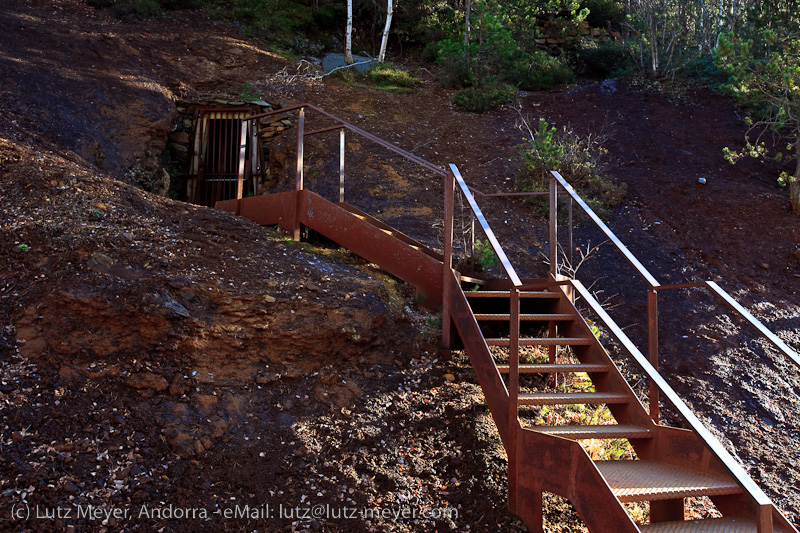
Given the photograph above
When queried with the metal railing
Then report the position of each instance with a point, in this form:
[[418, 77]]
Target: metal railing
[[340, 126], [653, 285], [649, 365]]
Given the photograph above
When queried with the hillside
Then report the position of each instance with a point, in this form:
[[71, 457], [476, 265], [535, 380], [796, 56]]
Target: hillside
[[157, 353]]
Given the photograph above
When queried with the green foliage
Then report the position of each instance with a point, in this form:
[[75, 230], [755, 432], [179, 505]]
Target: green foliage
[[484, 254], [501, 47], [610, 59], [277, 21], [765, 74], [23, 248], [485, 97], [604, 13], [248, 92], [576, 158], [537, 71], [704, 71], [432, 327]]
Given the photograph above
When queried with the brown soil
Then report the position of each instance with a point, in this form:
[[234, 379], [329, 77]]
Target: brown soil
[[154, 353]]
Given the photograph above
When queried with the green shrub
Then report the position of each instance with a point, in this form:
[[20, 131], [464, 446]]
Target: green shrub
[[604, 13], [457, 70], [705, 71], [537, 71], [484, 254], [577, 159], [275, 20], [499, 56], [608, 60], [485, 97], [184, 4]]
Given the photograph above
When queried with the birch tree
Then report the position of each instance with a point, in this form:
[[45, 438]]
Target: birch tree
[[348, 36], [385, 40]]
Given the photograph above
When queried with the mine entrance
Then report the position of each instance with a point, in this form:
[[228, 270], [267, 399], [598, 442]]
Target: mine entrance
[[226, 157]]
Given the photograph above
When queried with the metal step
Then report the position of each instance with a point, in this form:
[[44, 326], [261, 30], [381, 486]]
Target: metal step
[[636, 481], [536, 318], [572, 398], [711, 525], [555, 369], [506, 294], [612, 431], [542, 341]]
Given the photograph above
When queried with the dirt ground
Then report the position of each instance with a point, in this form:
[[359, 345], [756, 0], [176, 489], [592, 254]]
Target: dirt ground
[[158, 357]]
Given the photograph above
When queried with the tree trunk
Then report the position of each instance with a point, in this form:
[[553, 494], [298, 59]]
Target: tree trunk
[[466, 31], [794, 196], [348, 36], [794, 186], [385, 40]]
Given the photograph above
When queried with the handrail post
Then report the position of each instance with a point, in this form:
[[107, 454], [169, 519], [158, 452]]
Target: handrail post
[[298, 184], [341, 165], [513, 403], [764, 519], [241, 167], [447, 260], [553, 228], [652, 348], [571, 263]]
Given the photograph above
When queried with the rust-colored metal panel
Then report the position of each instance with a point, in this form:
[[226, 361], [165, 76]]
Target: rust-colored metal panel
[[564, 468], [267, 210], [271, 209], [375, 245], [231, 206], [488, 376]]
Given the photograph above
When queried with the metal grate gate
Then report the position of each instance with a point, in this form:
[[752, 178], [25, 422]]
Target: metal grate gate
[[223, 155]]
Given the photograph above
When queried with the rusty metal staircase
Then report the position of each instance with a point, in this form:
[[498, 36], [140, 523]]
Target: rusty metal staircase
[[510, 319], [670, 465]]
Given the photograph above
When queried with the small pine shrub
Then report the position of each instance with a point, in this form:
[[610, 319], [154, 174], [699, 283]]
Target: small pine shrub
[[484, 254], [577, 159], [485, 97], [457, 70]]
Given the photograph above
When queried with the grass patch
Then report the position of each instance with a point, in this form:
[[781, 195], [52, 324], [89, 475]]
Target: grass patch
[[390, 77]]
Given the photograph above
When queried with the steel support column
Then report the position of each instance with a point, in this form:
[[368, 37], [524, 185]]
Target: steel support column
[[298, 185]]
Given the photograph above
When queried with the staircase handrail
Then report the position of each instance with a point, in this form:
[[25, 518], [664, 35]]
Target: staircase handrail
[[487, 230], [742, 312], [733, 466], [355, 129], [640, 269], [654, 286]]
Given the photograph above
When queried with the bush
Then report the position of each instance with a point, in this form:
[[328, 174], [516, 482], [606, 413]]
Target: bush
[[485, 97], [576, 158], [704, 71], [278, 21], [604, 13], [608, 60], [537, 71], [456, 70]]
